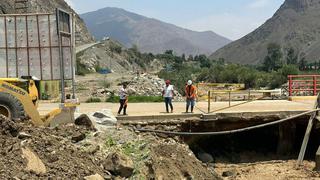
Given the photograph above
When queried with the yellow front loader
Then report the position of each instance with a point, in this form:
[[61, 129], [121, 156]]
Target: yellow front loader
[[19, 100]]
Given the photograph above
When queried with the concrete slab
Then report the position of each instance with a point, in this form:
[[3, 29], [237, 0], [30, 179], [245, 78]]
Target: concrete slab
[[158, 109]]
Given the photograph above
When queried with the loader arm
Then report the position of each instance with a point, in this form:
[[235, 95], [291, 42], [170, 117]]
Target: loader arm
[[24, 98]]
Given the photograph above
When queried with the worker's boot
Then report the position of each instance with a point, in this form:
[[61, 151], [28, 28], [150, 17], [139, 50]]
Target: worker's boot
[[125, 111], [167, 108], [187, 109], [191, 109]]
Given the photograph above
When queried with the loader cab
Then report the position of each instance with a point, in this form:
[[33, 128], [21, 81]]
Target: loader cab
[[27, 83], [32, 88]]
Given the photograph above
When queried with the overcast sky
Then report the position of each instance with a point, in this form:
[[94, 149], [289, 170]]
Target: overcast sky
[[230, 18]]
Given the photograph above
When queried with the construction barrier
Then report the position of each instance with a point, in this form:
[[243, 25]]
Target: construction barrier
[[304, 85], [204, 88]]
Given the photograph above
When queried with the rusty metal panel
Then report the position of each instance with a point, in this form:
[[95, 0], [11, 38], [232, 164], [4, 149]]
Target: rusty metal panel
[[67, 63], [11, 35], [29, 46], [21, 31], [3, 62], [34, 62], [23, 67], [54, 31], [32, 31], [2, 33], [55, 63], [46, 63], [12, 63], [44, 31]]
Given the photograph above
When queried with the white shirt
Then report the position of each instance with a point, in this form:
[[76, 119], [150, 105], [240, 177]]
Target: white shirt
[[123, 93], [168, 91]]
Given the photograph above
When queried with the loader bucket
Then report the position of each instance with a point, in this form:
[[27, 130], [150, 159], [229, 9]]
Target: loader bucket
[[63, 115]]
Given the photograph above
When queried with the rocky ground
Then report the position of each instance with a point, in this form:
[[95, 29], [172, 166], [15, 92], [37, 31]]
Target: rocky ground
[[86, 150], [82, 152], [278, 169], [103, 86]]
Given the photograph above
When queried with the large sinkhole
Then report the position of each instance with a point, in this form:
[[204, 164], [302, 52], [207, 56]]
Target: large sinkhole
[[277, 142]]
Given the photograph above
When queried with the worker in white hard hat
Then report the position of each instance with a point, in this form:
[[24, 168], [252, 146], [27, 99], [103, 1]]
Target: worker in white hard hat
[[191, 96], [168, 94]]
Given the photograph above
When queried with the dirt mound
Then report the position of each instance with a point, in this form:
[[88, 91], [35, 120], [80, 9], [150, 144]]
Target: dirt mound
[[8, 127], [54, 147], [28, 152], [265, 170], [177, 162]]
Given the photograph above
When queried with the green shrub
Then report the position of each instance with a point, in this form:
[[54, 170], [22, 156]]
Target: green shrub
[[45, 96], [110, 142], [115, 48], [105, 83], [93, 100]]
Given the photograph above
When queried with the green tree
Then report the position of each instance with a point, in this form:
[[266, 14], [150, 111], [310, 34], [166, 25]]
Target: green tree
[[302, 64], [204, 61], [292, 57], [134, 48], [273, 60], [190, 58], [183, 57], [169, 52]]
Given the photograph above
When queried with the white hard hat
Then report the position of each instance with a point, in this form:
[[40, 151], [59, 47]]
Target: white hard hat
[[189, 82]]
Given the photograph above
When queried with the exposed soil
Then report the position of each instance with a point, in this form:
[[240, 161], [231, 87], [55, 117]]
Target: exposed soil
[[153, 157], [177, 162], [61, 157], [266, 170]]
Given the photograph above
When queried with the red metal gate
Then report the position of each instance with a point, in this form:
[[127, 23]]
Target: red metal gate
[[307, 84]]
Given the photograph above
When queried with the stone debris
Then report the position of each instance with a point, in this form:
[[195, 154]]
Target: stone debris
[[84, 120], [104, 117], [205, 157], [149, 85], [119, 164], [23, 135], [229, 173], [34, 164], [9, 127], [78, 136], [94, 177]]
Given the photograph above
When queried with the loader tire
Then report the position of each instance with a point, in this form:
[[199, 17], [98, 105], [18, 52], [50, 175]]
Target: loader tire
[[11, 107]]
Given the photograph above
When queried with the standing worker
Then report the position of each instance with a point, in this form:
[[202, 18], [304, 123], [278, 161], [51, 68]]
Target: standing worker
[[168, 94], [123, 100], [191, 96]]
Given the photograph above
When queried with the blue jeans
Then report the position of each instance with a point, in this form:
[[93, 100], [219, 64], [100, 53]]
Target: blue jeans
[[191, 102], [168, 101]]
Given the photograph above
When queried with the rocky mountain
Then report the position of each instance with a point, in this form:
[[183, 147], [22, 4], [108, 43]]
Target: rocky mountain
[[296, 24], [149, 34], [44, 6], [110, 54]]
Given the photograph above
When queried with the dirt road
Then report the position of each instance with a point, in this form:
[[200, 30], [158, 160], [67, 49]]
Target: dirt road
[[140, 109]]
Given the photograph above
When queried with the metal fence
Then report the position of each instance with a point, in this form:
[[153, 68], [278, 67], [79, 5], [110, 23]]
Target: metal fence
[[29, 46], [304, 84]]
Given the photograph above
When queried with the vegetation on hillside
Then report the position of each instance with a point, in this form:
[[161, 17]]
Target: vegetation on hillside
[[271, 73]]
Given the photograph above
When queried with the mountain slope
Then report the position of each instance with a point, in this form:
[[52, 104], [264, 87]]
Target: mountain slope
[[36, 6], [150, 35], [296, 24]]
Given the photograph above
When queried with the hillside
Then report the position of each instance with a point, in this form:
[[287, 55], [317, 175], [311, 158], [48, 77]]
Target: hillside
[[296, 24], [35, 6], [150, 35]]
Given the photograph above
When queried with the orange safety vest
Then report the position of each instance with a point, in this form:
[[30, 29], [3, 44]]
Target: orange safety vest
[[191, 91]]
